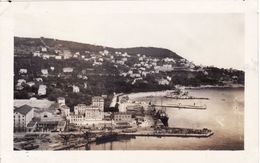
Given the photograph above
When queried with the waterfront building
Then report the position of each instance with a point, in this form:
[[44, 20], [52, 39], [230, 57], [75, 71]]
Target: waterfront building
[[65, 110], [22, 117], [81, 120], [98, 101], [122, 117], [80, 109], [86, 115], [94, 114], [48, 126], [136, 110], [35, 103]]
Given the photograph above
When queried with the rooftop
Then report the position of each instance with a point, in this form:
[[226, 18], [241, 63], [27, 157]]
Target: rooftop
[[23, 109]]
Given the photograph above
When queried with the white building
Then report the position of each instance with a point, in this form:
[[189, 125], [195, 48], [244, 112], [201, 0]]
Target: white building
[[67, 69], [75, 89], [94, 114], [20, 81], [165, 67], [45, 56], [80, 109], [58, 57], [23, 71], [36, 54], [42, 90], [31, 83], [61, 101], [86, 115], [98, 101], [163, 82], [44, 72], [122, 117], [44, 49], [22, 116], [67, 54], [38, 79], [66, 111]]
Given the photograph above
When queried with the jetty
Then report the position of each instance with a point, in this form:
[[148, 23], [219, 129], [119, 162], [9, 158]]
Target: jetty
[[180, 106], [173, 132]]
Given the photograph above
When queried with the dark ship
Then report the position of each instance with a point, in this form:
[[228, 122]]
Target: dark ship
[[161, 115]]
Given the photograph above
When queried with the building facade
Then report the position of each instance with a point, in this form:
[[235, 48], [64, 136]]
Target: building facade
[[22, 117], [122, 117], [98, 101]]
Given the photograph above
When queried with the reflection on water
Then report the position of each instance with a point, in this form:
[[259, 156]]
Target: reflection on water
[[224, 115]]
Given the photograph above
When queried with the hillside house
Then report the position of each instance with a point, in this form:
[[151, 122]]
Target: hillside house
[[67, 54], [43, 49], [58, 57], [45, 56], [38, 79], [20, 81], [36, 54], [23, 71], [44, 72], [30, 84], [42, 90], [75, 89], [163, 82], [67, 69]]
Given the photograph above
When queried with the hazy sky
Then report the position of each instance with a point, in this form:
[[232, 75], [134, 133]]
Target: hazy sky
[[204, 38]]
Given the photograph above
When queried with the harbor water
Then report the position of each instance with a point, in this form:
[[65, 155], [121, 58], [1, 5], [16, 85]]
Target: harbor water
[[224, 116]]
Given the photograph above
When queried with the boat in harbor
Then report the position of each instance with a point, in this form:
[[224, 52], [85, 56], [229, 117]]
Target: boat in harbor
[[161, 116]]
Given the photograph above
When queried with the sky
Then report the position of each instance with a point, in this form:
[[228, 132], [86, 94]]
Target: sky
[[209, 39]]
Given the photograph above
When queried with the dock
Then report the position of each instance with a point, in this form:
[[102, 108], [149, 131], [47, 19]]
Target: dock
[[152, 134], [198, 107]]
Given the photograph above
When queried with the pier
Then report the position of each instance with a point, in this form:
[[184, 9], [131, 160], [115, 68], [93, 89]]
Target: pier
[[167, 135], [198, 107]]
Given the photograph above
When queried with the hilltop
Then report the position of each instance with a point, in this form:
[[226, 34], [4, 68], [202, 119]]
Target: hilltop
[[52, 44]]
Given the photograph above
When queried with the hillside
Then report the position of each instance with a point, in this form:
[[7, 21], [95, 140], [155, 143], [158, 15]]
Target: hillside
[[79, 71]]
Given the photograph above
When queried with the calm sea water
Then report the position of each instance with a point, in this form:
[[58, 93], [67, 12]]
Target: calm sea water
[[224, 115]]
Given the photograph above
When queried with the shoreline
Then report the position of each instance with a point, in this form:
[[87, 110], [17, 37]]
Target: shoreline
[[165, 92], [216, 87]]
